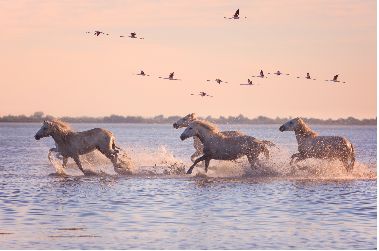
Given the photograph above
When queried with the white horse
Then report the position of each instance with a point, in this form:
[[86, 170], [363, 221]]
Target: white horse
[[72, 144], [218, 146], [187, 120], [310, 145]]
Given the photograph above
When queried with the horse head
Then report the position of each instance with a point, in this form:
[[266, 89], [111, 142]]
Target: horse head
[[291, 125], [45, 130], [185, 121], [190, 131]]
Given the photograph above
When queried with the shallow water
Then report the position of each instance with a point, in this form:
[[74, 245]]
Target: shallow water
[[316, 205]]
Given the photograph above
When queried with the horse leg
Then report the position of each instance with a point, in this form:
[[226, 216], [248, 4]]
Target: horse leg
[[64, 164], [112, 157], [119, 166], [49, 154], [299, 158], [296, 155], [253, 161], [122, 167], [349, 160], [193, 157], [198, 147], [207, 164], [110, 154], [79, 164], [59, 156], [351, 164], [346, 164], [65, 160], [197, 161]]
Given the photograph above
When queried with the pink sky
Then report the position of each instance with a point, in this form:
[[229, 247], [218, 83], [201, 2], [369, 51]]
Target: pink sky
[[48, 62]]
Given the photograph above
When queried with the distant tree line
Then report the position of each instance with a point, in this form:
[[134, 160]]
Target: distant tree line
[[240, 119]]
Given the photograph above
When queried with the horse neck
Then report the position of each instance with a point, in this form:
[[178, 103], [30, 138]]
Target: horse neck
[[205, 134], [194, 119], [303, 131], [59, 135]]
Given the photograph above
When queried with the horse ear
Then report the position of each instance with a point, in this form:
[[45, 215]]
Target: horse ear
[[299, 120]]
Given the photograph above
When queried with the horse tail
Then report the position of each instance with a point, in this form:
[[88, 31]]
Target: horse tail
[[269, 143], [124, 154], [351, 157], [114, 147], [265, 151], [124, 166]]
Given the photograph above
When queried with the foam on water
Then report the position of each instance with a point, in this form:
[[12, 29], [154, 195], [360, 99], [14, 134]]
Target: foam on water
[[160, 162]]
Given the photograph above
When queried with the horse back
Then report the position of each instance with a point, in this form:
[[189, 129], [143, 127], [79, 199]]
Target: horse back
[[86, 141], [229, 148], [96, 132], [232, 133], [325, 147], [198, 145]]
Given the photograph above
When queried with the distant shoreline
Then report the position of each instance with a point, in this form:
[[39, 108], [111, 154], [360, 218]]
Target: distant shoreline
[[1, 122], [38, 117]]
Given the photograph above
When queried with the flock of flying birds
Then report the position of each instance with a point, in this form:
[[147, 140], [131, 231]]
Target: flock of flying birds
[[132, 35], [219, 81]]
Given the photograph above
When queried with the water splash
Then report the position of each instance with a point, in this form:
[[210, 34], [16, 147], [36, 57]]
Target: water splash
[[143, 162], [278, 167], [161, 162], [155, 161]]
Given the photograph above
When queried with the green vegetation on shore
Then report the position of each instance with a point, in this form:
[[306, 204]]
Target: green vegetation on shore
[[261, 120]]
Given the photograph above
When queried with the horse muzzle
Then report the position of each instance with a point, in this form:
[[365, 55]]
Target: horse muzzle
[[182, 137], [37, 137], [176, 126], [281, 129]]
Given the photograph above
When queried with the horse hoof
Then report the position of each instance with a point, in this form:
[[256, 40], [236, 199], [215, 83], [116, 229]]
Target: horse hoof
[[189, 172]]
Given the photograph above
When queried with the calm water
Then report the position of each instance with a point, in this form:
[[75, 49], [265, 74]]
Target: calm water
[[316, 205]]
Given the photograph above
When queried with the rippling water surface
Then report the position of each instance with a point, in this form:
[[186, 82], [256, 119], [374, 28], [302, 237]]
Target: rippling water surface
[[315, 205]]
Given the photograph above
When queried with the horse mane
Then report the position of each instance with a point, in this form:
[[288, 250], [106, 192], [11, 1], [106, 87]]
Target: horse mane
[[61, 124], [63, 129], [304, 130], [192, 115], [208, 125]]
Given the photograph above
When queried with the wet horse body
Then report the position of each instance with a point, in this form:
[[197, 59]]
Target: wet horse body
[[197, 144], [311, 145], [72, 144], [218, 146]]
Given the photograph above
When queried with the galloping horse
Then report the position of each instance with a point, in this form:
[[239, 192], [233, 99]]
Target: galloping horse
[[187, 120], [72, 144], [218, 146], [310, 145]]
